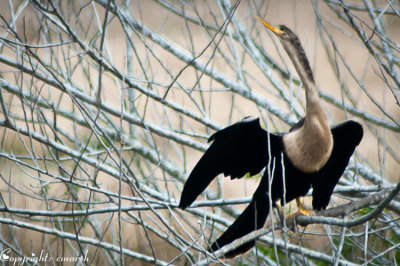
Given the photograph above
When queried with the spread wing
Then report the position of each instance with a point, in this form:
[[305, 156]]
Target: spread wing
[[346, 137], [236, 150]]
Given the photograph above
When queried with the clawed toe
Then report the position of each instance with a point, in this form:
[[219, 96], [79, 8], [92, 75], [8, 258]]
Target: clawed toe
[[291, 218]]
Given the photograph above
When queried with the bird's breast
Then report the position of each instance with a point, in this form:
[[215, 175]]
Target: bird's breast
[[309, 148]]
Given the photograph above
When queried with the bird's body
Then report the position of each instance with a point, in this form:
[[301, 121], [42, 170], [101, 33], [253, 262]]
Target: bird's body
[[310, 154], [309, 146]]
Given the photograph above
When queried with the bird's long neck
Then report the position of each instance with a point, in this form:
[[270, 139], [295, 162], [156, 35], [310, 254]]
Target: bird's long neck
[[300, 62]]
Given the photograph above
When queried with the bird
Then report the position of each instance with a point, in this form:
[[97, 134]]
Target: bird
[[311, 154]]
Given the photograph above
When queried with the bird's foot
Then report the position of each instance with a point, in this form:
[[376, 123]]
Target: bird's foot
[[290, 218], [305, 212]]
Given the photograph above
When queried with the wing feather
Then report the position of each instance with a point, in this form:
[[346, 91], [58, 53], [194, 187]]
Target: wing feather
[[236, 150], [346, 137]]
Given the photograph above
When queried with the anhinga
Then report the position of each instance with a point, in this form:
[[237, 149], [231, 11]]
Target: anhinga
[[310, 154]]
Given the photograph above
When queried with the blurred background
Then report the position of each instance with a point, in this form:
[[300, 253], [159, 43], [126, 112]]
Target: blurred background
[[106, 106]]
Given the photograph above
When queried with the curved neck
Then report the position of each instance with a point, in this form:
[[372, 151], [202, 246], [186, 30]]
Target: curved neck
[[308, 147], [300, 62]]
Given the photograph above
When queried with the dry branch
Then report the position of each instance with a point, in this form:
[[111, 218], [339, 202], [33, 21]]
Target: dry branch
[[321, 217]]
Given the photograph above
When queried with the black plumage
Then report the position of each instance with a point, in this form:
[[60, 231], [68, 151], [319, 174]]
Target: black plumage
[[346, 136], [236, 150], [245, 147]]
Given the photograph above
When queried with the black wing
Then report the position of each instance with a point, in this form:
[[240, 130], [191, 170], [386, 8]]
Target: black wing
[[346, 137], [251, 219], [236, 150]]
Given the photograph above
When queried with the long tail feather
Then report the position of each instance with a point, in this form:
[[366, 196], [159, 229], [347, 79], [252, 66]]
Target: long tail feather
[[252, 218]]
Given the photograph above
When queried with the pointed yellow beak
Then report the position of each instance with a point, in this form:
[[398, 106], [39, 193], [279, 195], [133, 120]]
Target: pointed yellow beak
[[272, 28]]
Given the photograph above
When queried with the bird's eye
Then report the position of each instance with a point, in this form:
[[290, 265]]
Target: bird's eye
[[281, 29]]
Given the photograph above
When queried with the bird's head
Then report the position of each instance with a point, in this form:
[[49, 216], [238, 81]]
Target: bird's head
[[283, 32], [292, 45]]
